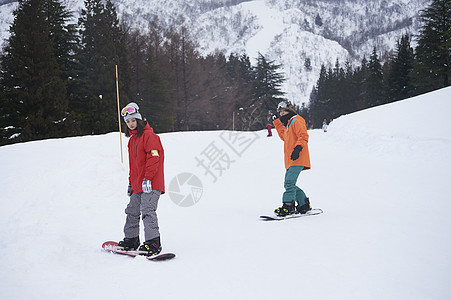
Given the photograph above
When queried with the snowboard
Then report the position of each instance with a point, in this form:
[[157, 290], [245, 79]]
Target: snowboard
[[312, 212], [111, 246]]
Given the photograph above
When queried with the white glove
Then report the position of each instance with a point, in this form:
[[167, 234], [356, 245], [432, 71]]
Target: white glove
[[147, 186]]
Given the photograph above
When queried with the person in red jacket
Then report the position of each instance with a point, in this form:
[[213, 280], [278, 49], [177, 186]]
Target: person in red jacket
[[146, 183], [293, 132]]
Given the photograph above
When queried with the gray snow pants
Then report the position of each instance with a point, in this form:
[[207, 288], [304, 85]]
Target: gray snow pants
[[145, 204]]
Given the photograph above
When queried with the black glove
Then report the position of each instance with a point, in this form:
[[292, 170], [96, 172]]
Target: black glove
[[129, 191], [296, 151], [273, 117]]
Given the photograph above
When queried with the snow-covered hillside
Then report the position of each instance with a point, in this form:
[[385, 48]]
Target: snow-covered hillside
[[288, 31], [381, 176]]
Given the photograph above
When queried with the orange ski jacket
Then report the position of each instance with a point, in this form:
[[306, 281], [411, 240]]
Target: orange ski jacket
[[295, 133]]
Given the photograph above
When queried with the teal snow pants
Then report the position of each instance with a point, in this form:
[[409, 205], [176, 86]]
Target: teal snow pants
[[292, 192]]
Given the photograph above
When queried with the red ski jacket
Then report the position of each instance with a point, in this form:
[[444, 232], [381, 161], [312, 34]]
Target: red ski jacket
[[146, 160]]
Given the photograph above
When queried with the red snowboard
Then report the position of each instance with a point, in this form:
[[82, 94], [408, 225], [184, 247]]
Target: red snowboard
[[111, 246]]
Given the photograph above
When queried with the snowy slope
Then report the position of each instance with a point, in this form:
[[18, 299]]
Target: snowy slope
[[381, 176]]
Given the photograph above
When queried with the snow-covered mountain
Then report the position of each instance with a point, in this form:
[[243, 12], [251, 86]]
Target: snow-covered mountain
[[381, 176], [287, 31]]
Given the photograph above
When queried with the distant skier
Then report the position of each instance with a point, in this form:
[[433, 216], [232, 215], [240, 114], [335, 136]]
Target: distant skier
[[325, 125], [269, 122], [292, 131], [146, 183]]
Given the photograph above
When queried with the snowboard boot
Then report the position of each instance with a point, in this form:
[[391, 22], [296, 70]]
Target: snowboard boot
[[128, 244], [303, 209], [150, 247], [288, 208]]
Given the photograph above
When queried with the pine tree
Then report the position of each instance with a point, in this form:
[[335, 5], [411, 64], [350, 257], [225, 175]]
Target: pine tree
[[34, 99], [157, 103], [64, 35], [337, 91], [181, 67], [267, 91], [351, 91], [399, 79], [240, 75], [268, 82], [374, 82], [149, 88], [137, 46], [308, 64], [433, 52], [361, 79], [103, 48], [318, 20], [320, 106]]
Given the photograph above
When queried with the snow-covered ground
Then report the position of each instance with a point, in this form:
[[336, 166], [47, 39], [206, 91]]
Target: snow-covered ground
[[381, 176]]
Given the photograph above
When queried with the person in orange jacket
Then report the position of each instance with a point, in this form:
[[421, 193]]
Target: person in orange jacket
[[293, 132], [146, 183]]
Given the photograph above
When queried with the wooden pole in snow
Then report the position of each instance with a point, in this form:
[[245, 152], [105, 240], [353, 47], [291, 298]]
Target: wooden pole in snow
[[119, 115]]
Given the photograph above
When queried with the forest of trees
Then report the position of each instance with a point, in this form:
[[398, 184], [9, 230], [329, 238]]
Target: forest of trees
[[58, 79], [406, 72]]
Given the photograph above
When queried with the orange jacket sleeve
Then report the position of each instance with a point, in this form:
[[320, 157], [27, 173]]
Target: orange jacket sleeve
[[280, 129]]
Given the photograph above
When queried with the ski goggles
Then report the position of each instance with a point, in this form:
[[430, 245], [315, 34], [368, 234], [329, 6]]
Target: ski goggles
[[128, 110], [281, 105]]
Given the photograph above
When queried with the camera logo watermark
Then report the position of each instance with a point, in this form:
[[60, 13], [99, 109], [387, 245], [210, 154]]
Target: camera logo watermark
[[185, 189]]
